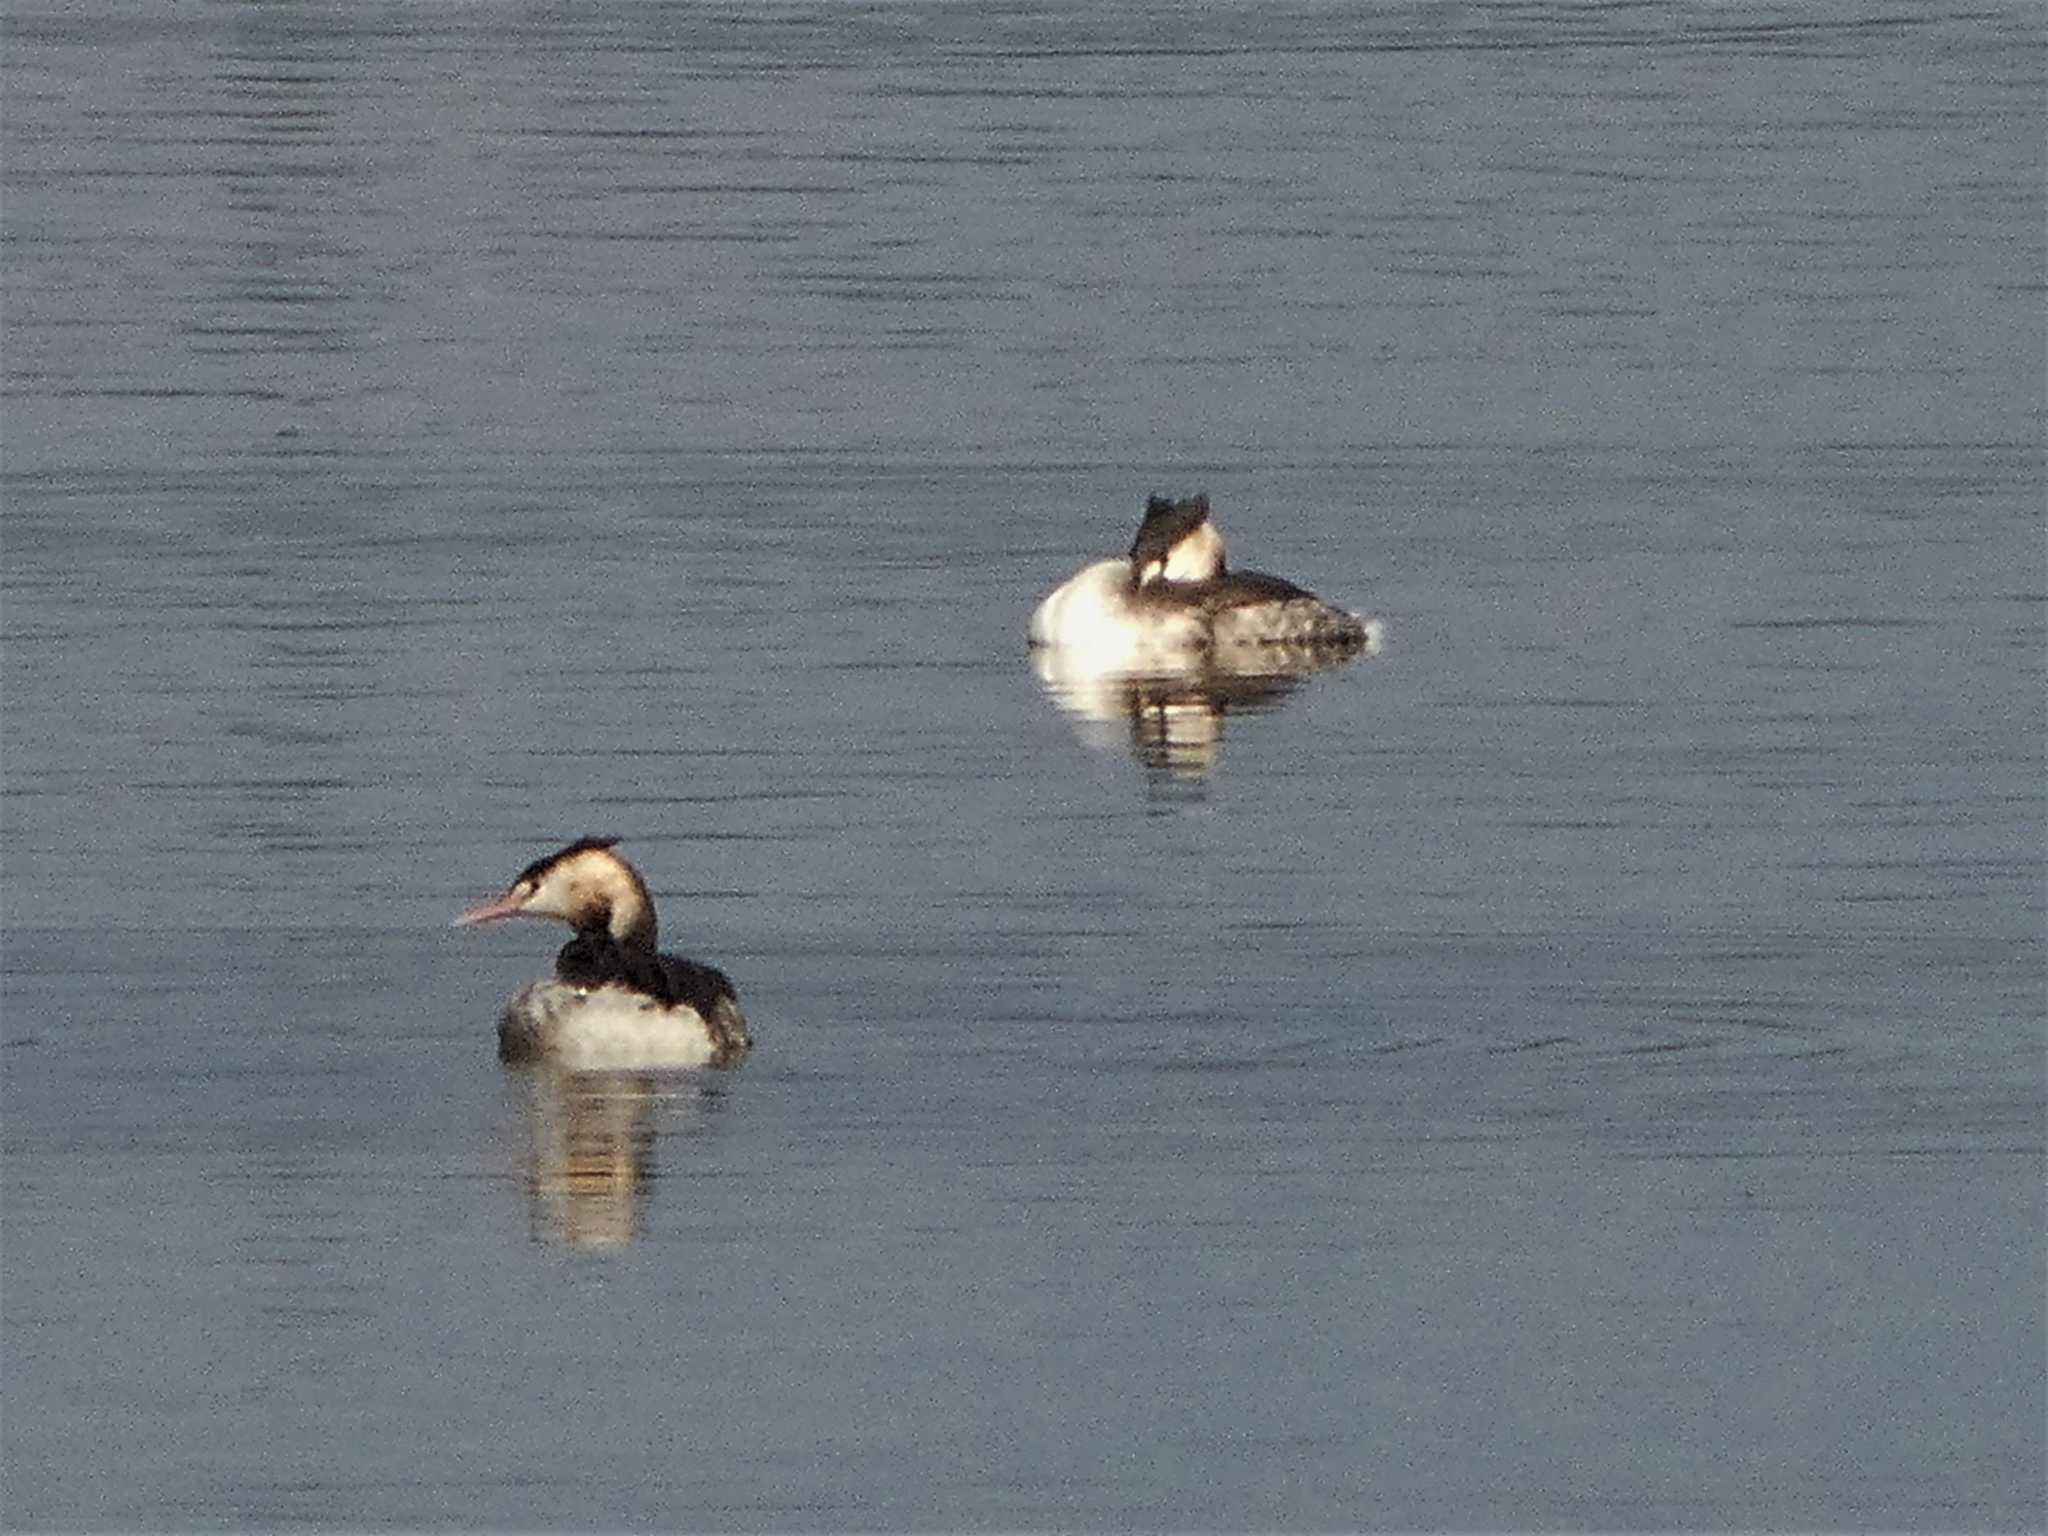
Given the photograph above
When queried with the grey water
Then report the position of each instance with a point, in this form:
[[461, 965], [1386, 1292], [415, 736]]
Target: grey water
[[1579, 1067]]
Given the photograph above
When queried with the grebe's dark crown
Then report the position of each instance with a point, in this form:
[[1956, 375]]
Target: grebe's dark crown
[[541, 866]]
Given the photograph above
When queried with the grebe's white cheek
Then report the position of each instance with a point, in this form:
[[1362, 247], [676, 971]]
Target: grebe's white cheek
[[546, 899]]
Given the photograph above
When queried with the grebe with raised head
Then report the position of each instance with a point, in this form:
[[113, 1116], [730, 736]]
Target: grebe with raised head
[[1174, 594], [614, 1000]]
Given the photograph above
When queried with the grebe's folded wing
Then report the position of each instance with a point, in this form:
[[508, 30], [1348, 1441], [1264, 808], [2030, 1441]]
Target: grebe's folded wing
[[708, 991], [1242, 589], [1250, 607]]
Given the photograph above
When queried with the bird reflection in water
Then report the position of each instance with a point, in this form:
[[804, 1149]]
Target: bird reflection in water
[[592, 1165], [1170, 715]]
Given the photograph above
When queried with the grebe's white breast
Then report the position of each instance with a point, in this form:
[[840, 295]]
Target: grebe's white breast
[[1097, 613], [607, 1028]]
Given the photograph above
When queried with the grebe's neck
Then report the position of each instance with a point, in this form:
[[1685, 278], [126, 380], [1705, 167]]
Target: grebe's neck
[[616, 904]]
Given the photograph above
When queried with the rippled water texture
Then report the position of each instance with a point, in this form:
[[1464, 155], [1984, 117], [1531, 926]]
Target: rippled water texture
[[1580, 1066]]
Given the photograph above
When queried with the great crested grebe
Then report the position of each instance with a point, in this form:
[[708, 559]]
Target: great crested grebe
[[1174, 595], [614, 1001]]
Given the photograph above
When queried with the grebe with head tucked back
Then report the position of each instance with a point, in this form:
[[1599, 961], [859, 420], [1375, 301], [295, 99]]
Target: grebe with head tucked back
[[1175, 594], [614, 1000]]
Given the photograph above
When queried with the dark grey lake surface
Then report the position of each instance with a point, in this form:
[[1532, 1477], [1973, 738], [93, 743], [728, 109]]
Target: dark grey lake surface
[[1581, 1067]]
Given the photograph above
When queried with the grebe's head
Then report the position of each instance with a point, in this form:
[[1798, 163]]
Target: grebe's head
[[585, 885], [1176, 542]]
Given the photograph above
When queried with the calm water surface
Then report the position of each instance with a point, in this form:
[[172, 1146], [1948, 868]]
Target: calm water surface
[[1580, 1067]]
